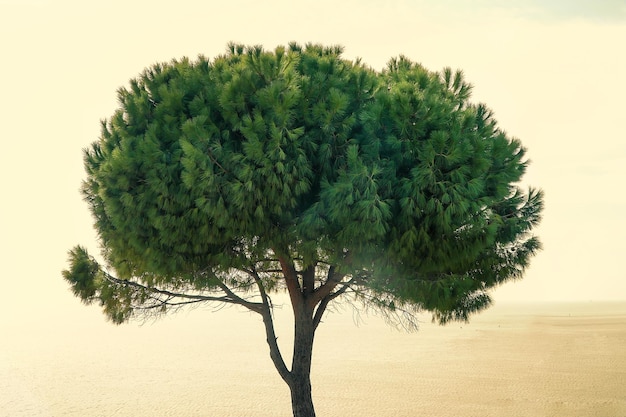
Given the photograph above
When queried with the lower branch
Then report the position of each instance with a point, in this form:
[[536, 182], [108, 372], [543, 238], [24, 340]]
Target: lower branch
[[268, 322], [229, 297]]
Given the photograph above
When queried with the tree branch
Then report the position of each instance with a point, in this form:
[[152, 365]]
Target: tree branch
[[229, 298], [256, 307], [167, 303], [291, 281], [327, 287], [317, 318], [308, 280], [272, 340]]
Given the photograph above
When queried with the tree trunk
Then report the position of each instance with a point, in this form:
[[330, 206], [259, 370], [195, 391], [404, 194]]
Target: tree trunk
[[301, 400], [300, 380]]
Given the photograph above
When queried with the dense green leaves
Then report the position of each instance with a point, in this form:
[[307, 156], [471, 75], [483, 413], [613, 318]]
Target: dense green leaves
[[393, 177], [91, 284]]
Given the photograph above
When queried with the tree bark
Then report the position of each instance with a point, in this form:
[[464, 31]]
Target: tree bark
[[300, 378], [303, 302]]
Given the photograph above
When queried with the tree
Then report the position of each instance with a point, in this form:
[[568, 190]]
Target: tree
[[297, 170]]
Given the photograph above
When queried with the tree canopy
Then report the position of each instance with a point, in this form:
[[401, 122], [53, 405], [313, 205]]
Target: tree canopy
[[392, 177], [296, 169]]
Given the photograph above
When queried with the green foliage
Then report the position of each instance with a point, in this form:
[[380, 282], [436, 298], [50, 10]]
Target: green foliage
[[91, 284], [394, 178]]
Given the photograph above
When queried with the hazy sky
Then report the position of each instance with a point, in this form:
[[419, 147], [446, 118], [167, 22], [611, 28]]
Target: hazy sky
[[552, 74]]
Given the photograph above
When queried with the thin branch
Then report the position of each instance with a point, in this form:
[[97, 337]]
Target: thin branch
[[230, 297], [396, 315], [327, 287], [167, 303], [270, 271], [267, 260], [256, 307], [317, 318]]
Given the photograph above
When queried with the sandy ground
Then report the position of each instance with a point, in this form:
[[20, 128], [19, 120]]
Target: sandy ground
[[563, 360], [518, 361]]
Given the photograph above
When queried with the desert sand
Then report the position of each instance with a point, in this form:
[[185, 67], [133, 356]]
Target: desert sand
[[525, 360], [549, 360]]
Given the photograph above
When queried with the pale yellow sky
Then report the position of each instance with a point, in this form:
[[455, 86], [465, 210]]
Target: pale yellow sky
[[552, 75]]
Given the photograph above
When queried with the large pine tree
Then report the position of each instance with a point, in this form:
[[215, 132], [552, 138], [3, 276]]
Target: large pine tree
[[231, 179]]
